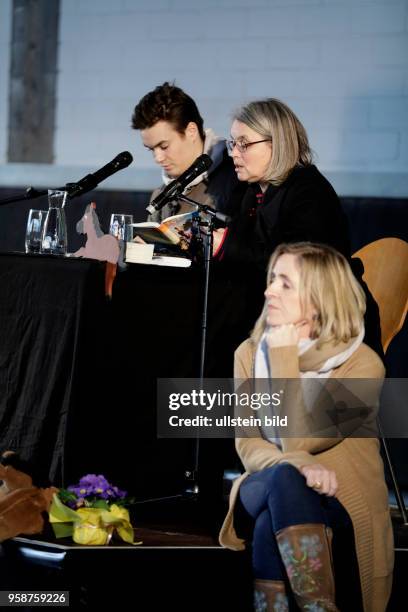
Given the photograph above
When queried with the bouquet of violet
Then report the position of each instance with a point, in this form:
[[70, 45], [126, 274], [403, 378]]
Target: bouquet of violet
[[91, 512]]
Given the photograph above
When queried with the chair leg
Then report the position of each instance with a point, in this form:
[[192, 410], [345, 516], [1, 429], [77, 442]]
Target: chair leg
[[398, 495]]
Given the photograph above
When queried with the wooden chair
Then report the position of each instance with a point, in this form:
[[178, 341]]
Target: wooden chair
[[386, 274]]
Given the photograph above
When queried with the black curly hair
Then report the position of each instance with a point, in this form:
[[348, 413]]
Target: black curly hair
[[167, 103]]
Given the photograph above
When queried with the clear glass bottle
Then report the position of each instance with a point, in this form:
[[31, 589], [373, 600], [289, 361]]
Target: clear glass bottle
[[54, 236]]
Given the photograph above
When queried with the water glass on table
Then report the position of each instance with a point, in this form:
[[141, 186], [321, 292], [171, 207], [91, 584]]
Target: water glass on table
[[34, 229], [121, 227]]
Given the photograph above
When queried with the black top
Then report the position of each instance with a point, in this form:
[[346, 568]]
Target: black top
[[304, 207]]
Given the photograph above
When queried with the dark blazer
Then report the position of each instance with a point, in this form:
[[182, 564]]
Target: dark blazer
[[304, 207]]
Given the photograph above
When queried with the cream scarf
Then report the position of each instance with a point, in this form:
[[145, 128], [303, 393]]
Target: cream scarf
[[214, 146], [313, 363]]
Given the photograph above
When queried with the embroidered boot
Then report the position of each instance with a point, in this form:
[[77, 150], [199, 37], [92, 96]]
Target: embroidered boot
[[270, 596], [306, 554]]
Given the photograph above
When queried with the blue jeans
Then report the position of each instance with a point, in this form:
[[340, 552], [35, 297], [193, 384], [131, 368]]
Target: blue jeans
[[278, 497]]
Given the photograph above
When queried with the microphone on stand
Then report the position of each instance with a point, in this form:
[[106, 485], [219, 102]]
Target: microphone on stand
[[176, 187], [90, 181]]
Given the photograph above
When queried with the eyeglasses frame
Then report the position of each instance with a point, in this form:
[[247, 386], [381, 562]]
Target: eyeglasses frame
[[242, 146]]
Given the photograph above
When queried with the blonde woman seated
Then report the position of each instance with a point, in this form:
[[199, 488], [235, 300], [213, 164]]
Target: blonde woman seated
[[305, 502]]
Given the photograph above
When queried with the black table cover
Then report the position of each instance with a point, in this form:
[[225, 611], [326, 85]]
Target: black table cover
[[78, 372]]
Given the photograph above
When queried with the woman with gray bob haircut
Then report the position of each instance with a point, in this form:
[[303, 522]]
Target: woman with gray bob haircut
[[275, 122], [287, 200]]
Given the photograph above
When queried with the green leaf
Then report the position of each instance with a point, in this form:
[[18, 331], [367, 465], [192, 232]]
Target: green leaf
[[100, 503], [67, 496], [63, 530]]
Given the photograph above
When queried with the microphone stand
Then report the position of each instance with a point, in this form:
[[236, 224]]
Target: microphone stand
[[191, 474], [192, 489], [30, 194], [74, 190]]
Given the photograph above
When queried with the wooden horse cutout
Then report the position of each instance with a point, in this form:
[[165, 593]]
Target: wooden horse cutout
[[103, 247]]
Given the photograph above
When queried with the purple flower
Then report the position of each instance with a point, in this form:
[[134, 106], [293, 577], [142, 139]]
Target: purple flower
[[93, 486], [119, 493]]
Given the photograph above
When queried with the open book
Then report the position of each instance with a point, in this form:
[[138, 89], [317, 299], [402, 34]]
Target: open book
[[175, 230]]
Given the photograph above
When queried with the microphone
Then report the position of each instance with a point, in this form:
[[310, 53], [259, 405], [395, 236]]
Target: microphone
[[90, 181], [176, 187]]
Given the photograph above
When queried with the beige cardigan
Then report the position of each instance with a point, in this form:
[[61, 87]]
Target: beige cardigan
[[356, 461]]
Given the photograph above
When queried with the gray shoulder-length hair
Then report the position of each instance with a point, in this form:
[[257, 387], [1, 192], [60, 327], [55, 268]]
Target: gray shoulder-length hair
[[273, 120]]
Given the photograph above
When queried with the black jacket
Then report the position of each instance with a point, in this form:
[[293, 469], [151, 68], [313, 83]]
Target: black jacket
[[304, 207]]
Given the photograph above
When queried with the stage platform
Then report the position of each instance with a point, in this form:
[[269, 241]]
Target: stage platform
[[179, 566]]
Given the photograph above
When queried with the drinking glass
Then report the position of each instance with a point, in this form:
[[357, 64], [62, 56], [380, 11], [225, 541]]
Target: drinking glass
[[35, 225], [121, 227], [54, 235]]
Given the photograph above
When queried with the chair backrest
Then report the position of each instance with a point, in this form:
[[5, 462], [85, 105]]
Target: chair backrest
[[386, 274]]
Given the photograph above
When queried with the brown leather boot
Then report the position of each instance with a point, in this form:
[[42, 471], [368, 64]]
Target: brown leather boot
[[306, 554], [270, 596]]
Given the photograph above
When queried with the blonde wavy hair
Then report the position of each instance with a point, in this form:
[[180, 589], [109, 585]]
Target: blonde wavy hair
[[329, 286], [273, 120]]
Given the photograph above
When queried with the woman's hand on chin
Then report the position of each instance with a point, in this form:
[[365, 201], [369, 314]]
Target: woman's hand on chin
[[282, 335], [288, 334]]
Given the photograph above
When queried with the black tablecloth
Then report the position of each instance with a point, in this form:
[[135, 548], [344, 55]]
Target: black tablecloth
[[78, 372], [47, 326]]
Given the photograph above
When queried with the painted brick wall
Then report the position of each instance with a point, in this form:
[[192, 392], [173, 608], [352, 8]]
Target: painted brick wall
[[341, 64]]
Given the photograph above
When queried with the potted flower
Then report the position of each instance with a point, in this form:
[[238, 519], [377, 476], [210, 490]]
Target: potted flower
[[91, 512]]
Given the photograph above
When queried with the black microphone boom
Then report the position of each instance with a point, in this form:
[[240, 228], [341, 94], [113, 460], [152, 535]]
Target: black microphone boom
[[90, 181], [176, 187]]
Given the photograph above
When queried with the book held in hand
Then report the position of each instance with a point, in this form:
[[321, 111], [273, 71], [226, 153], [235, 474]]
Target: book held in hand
[[175, 230]]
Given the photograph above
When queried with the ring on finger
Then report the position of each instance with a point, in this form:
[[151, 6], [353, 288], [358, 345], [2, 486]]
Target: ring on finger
[[317, 484]]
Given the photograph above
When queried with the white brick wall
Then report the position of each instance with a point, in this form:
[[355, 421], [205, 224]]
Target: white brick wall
[[5, 33], [386, 18], [341, 64]]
